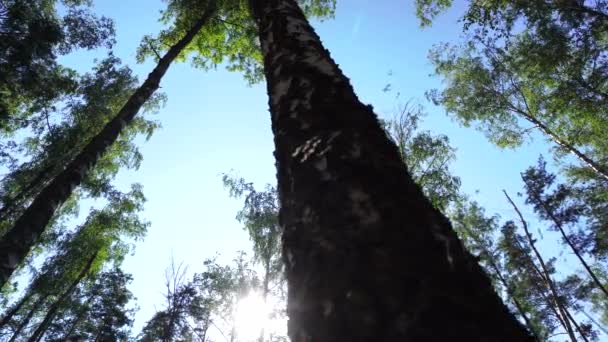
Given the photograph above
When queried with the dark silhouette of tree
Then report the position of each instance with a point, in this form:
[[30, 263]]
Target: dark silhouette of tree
[[367, 257]]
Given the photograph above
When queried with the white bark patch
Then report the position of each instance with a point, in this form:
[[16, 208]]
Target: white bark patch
[[307, 216], [355, 152], [307, 149], [290, 260], [328, 308], [363, 208], [321, 164]]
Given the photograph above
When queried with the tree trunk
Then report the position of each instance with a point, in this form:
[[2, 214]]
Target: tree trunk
[[516, 301], [10, 204], [563, 311], [16, 243], [50, 315], [367, 256], [494, 265], [26, 320], [16, 307], [79, 317], [569, 242], [590, 163]]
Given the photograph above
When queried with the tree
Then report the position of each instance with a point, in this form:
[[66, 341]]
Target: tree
[[556, 208], [361, 243], [17, 242], [427, 156], [206, 302], [172, 323], [260, 218], [547, 74], [98, 312], [99, 94], [80, 256], [33, 34]]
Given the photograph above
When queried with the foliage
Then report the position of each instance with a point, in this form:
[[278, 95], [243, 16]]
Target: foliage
[[194, 308], [260, 219], [97, 311], [103, 236], [33, 34], [230, 37], [427, 156], [532, 65]]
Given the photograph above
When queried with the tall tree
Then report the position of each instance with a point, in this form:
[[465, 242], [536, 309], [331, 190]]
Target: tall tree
[[427, 156], [99, 312], [104, 235], [260, 218], [556, 208], [33, 35], [531, 65], [17, 242], [367, 256]]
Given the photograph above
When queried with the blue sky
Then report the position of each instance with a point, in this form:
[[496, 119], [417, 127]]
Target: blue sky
[[213, 123]]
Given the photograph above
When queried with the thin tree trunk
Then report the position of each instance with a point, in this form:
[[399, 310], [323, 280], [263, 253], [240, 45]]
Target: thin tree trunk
[[265, 290], [16, 307], [511, 295], [597, 324], [26, 319], [367, 256], [81, 314], [545, 271], [574, 249], [593, 165], [8, 207], [504, 282], [576, 326], [16, 243], [50, 315]]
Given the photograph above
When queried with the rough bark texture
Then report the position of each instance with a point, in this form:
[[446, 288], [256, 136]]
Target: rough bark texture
[[367, 256], [18, 241]]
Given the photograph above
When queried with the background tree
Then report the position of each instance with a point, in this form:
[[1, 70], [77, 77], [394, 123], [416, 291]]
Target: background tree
[[99, 311], [100, 240], [34, 34], [348, 238], [16, 242]]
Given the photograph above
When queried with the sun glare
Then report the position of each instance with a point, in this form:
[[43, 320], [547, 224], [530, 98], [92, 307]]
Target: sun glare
[[252, 315]]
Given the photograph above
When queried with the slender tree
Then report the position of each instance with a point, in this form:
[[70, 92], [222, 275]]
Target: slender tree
[[17, 242], [546, 275], [33, 34], [367, 256], [54, 308], [555, 208], [546, 72]]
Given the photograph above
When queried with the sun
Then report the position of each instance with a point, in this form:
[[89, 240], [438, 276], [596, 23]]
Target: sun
[[252, 314]]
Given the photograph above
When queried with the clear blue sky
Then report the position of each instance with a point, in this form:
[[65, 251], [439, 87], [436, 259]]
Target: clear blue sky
[[213, 123]]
